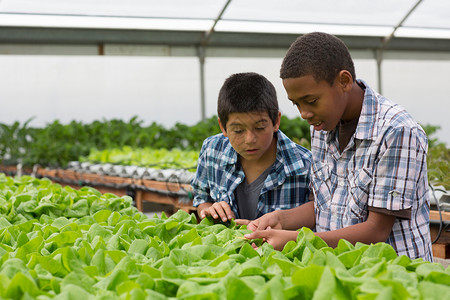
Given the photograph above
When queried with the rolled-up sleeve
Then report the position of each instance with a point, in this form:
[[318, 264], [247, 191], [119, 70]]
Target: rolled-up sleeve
[[400, 166]]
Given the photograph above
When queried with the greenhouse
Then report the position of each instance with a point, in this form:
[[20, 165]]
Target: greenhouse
[[106, 108]]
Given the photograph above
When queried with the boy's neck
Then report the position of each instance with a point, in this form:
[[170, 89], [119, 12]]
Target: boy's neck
[[355, 101]]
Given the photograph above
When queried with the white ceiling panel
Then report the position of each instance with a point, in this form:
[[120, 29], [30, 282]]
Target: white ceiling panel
[[192, 9], [284, 16], [244, 23], [362, 12]]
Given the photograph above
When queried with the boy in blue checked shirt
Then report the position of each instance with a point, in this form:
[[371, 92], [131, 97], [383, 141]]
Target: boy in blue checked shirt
[[251, 168], [369, 172]]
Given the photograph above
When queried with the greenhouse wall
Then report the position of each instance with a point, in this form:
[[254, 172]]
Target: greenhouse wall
[[166, 89]]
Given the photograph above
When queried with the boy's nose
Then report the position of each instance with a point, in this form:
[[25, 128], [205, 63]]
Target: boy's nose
[[250, 137], [305, 113]]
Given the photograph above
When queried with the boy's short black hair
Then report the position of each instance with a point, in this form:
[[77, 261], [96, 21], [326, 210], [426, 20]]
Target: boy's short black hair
[[247, 92], [318, 54]]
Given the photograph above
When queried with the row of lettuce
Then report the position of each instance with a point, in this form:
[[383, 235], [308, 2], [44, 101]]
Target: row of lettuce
[[120, 142], [145, 157], [61, 243]]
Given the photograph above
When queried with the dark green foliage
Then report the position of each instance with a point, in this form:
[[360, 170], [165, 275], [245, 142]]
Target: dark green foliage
[[438, 160], [297, 129], [57, 144]]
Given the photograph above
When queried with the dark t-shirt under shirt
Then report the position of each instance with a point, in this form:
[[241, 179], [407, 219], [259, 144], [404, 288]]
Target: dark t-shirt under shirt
[[247, 196]]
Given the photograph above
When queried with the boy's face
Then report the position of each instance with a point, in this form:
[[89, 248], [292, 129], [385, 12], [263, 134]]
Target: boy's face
[[251, 134], [322, 105]]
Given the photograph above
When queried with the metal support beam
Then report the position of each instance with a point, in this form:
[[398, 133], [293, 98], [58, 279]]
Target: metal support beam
[[201, 56], [207, 36], [378, 57], [385, 43], [39, 36]]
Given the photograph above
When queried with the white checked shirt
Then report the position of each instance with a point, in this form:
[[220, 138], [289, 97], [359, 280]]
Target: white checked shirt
[[383, 166]]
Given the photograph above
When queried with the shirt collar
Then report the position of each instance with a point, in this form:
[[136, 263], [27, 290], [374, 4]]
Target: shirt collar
[[367, 129], [229, 155]]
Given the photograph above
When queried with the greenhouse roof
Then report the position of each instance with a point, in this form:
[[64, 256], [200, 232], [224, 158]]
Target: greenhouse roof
[[366, 24]]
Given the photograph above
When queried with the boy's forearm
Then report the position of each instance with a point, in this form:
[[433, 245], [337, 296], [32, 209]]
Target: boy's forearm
[[375, 229], [300, 216]]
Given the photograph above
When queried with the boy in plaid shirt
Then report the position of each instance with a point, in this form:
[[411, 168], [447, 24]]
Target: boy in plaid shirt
[[251, 168], [369, 171]]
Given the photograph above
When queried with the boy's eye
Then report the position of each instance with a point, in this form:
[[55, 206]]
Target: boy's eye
[[312, 101], [260, 128], [238, 131]]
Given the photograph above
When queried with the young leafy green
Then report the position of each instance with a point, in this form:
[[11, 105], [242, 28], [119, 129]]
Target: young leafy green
[[50, 250]]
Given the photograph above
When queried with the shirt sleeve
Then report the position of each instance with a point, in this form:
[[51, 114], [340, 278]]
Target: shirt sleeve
[[200, 183], [401, 163], [402, 214]]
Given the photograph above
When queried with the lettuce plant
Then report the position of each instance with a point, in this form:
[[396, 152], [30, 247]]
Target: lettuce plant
[[60, 243]]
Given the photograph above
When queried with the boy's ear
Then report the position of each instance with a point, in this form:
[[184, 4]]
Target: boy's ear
[[277, 123], [222, 128], [345, 80]]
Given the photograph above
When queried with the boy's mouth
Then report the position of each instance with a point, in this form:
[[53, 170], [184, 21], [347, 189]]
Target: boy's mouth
[[318, 125]]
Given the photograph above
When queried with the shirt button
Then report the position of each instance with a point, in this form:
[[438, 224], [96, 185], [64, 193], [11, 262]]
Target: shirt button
[[341, 183], [319, 173], [394, 194]]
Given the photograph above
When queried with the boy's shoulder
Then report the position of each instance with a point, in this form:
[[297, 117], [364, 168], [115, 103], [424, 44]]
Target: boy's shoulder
[[380, 115], [218, 147], [395, 118], [297, 159], [394, 113], [385, 111], [216, 141]]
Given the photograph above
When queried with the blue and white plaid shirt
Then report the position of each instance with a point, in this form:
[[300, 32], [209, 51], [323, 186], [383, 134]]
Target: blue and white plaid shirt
[[383, 166], [219, 173]]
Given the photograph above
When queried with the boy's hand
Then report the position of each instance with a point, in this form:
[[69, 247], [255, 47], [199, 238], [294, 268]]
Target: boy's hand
[[277, 238], [270, 220], [242, 221], [216, 210]]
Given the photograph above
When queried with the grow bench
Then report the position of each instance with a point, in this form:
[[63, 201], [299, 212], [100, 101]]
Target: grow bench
[[172, 195], [440, 233]]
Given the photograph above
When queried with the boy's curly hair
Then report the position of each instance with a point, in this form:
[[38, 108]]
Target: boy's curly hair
[[318, 54]]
